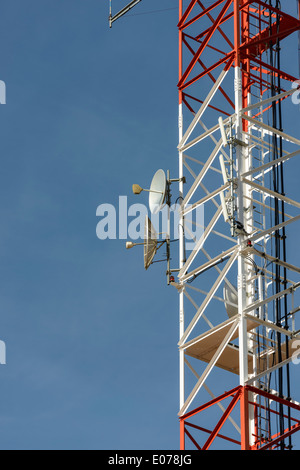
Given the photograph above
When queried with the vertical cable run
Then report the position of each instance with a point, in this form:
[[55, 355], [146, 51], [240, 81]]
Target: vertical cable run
[[281, 307]]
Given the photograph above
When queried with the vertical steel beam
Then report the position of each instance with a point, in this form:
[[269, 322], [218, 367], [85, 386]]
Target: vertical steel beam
[[181, 226], [182, 434], [244, 410], [243, 347]]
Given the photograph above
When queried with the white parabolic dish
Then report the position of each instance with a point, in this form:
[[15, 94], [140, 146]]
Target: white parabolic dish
[[157, 194], [150, 243]]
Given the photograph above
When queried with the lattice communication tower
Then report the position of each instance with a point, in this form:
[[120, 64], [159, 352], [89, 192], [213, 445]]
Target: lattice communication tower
[[233, 84], [238, 286]]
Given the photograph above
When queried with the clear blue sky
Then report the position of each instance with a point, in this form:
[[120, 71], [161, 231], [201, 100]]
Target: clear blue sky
[[92, 359]]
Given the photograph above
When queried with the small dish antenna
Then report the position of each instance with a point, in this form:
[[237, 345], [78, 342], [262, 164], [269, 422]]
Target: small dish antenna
[[159, 195], [158, 191], [150, 243]]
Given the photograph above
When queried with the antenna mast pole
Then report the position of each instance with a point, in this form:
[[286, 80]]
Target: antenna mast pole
[[239, 340]]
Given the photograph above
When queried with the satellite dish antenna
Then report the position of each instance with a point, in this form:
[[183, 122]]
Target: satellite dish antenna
[[158, 191], [231, 300], [159, 195], [151, 246], [150, 243]]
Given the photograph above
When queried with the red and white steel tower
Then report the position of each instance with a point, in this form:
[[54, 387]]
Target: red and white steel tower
[[238, 287]]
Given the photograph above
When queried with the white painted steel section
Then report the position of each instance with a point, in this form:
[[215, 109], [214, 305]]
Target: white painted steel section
[[262, 103], [202, 173], [271, 163], [201, 242], [243, 338], [208, 298], [208, 369], [203, 108], [181, 263], [272, 130], [271, 193]]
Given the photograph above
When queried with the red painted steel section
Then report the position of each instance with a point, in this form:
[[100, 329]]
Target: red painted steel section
[[204, 43], [221, 422], [210, 403], [239, 394], [180, 49], [274, 442], [244, 412], [242, 48], [226, 438], [182, 435]]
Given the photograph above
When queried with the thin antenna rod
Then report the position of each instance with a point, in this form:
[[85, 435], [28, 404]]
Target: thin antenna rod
[[121, 12]]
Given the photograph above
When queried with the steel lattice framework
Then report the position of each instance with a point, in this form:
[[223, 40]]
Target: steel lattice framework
[[237, 287]]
